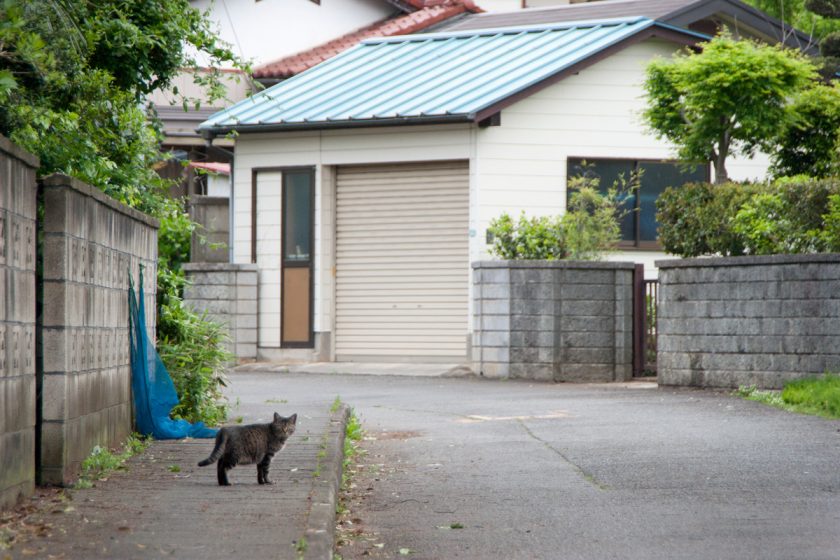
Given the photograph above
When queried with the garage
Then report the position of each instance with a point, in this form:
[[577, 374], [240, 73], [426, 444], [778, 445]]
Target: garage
[[402, 262]]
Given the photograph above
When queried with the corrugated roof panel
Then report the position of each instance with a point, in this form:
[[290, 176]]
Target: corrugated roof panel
[[416, 77]]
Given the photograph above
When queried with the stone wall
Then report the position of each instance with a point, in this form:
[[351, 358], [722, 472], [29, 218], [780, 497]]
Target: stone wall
[[560, 321], [18, 202], [210, 242], [228, 293], [91, 244], [727, 322]]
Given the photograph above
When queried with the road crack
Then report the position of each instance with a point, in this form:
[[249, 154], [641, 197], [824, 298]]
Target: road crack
[[586, 475]]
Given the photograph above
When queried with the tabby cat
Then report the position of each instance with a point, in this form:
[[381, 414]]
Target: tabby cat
[[245, 445]]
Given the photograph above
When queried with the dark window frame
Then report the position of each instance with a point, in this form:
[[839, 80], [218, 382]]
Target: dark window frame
[[636, 243]]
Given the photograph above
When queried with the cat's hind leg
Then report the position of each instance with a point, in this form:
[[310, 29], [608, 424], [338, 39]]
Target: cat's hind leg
[[221, 469], [262, 469]]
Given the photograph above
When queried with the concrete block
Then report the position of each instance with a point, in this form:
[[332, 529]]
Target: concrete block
[[245, 335], [535, 371], [246, 351], [496, 291], [246, 307], [495, 275], [246, 293], [495, 322], [530, 275], [493, 370], [495, 306], [246, 278], [17, 466]]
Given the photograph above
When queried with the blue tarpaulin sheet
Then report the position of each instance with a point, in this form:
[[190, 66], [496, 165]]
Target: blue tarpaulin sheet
[[154, 392]]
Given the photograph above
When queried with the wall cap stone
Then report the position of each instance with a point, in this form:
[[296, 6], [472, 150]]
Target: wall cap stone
[[219, 267], [17, 152], [58, 180], [703, 262], [597, 265]]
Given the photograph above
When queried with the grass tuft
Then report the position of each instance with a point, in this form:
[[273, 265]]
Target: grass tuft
[[819, 396], [101, 461]]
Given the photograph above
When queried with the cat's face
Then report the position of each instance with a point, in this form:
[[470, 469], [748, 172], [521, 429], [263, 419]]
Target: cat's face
[[286, 425]]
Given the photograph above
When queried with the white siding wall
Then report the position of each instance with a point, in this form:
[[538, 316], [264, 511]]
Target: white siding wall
[[269, 257], [324, 150], [521, 165], [268, 30]]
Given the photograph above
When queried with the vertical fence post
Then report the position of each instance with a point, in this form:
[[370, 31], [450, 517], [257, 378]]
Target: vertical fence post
[[639, 320]]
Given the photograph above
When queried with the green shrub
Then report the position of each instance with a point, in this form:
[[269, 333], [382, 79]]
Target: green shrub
[[790, 215], [589, 228], [192, 348], [831, 231], [696, 219], [531, 238]]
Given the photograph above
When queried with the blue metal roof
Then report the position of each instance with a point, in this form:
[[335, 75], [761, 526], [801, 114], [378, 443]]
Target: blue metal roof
[[444, 77]]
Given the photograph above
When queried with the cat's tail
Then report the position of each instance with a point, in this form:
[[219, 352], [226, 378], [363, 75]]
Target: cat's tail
[[217, 451]]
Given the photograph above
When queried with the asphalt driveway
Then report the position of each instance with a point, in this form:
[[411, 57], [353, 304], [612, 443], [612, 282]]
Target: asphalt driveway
[[578, 471]]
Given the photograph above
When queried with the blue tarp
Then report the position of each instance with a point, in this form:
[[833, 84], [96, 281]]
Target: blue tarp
[[154, 392]]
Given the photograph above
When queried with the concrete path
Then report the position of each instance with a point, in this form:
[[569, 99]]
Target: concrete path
[[165, 506], [520, 470], [544, 471]]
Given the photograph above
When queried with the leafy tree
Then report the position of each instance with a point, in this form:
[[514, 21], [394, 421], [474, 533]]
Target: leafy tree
[[820, 19], [727, 100], [808, 143], [73, 78]]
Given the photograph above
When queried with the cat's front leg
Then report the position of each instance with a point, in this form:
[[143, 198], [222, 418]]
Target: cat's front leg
[[262, 469]]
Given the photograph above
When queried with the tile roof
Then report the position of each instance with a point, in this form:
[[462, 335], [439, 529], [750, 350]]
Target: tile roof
[[429, 13], [432, 78]]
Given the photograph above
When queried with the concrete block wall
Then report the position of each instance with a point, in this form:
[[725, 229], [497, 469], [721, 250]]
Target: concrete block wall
[[727, 322], [553, 321], [91, 244], [228, 293], [18, 204]]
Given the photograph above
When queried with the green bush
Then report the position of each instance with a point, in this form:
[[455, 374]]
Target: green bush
[[792, 215], [589, 228], [696, 219], [192, 348]]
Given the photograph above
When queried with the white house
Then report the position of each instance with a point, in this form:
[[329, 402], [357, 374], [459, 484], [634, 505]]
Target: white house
[[364, 186]]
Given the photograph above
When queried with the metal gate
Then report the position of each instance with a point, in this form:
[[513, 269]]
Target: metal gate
[[645, 300]]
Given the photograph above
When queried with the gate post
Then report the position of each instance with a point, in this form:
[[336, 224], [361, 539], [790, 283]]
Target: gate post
[[639, 309]]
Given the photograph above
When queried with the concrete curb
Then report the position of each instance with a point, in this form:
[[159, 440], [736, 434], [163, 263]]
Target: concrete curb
[[320, 524]]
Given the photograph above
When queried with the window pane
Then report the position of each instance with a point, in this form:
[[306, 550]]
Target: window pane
[[656, 177], [609, 171], [297, 215]]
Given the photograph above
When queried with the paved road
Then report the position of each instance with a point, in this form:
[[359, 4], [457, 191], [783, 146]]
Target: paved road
[[582, 471]]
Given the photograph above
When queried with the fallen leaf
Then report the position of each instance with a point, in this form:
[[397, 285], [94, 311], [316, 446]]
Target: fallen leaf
[[405, 551]]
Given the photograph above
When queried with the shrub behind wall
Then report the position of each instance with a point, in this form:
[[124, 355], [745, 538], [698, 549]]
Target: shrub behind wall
[[794, 215]]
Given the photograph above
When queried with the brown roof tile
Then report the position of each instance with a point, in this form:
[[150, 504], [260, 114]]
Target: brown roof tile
[[429, 12]]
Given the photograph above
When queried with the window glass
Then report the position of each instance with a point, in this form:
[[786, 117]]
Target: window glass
[[656, 177], [609, 171], [297, 215]]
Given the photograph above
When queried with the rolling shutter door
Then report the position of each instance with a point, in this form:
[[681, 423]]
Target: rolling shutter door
[[402, 262]]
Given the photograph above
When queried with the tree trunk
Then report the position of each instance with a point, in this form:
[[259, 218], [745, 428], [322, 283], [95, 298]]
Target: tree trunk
[[721, 176]]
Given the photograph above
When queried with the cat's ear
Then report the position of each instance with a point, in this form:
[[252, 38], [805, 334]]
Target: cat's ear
[[277, 417], [293, 418]]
